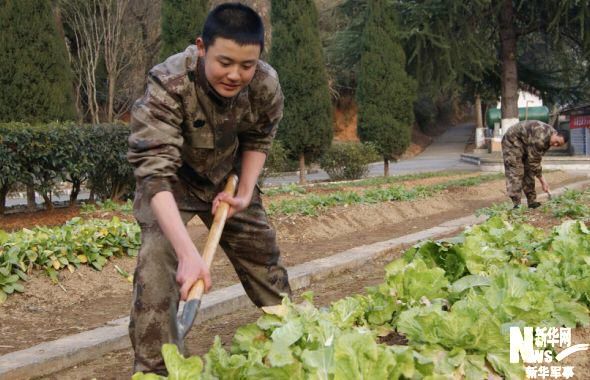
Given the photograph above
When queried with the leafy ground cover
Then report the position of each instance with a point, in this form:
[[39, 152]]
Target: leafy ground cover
[[80, 242], [91, 242], [312, 204], [87, 298], [451, 300], [462, 201], [108, 205], [294, 189], [571, 204]]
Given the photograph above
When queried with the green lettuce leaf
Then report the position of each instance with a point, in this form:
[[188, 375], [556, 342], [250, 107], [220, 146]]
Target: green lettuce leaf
[[415, 280], [358, 356]]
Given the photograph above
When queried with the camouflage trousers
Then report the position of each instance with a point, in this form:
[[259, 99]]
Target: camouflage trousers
[[519, 178], [250, 244]]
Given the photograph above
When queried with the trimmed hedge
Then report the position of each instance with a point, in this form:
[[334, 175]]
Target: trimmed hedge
[[44, 155]]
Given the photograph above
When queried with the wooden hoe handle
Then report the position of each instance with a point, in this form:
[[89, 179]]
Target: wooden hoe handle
[[215, 231]]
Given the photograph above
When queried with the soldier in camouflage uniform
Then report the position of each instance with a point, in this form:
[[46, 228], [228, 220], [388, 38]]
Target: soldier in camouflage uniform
[[523, 147], [207, 111]]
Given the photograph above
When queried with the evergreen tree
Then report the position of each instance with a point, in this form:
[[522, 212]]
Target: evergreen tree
[[385, 92], [296, 53], [461, 31], [36, 80], [182, 22]]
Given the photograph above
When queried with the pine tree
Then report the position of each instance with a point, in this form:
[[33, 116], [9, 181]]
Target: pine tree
[[483, 40], [385, 93], [182, 22], [36, 78], [296, 54]]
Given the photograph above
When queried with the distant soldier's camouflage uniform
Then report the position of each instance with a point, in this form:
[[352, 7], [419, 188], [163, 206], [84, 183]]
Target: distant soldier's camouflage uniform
[[523, 147], [186, 139]]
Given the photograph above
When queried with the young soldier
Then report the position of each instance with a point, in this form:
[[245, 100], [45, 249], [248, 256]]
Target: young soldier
[[207, 111], [523, 147]]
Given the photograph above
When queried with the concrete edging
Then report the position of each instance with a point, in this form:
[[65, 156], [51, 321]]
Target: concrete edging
[[50, 357]]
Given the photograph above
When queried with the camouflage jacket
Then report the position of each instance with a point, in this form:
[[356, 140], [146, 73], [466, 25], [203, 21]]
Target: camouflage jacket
[[530, 139], [182, 128]]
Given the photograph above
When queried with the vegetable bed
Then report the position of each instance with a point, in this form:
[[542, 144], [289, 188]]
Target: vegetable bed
[[445, 306]]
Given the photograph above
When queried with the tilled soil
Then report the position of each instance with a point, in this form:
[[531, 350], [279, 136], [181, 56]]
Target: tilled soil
[[88, 299]]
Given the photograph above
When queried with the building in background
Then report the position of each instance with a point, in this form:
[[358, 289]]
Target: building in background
[[525, 99], [577, 120]]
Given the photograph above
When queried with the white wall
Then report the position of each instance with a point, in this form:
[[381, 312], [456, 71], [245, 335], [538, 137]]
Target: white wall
[[525, 98]]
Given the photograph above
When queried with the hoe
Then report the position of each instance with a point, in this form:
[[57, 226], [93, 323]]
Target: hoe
[[193, 301]]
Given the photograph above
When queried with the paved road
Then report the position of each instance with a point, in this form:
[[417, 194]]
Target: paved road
[[442, 154], [39, 200]]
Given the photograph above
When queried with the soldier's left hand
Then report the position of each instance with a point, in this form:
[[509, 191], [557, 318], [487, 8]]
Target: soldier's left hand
[[236, 203], [544, 185]]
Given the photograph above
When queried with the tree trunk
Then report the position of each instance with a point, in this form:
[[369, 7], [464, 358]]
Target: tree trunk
[[302, 179], [31, 204], [508, 52], [47, 200], [75, 191], [479, 128], [111, 98], [3, 194], [385, 166], [91, 196], [117, 192], [478, 114]]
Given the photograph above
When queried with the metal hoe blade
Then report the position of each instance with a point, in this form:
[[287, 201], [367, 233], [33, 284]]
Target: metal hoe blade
[[189, 313]]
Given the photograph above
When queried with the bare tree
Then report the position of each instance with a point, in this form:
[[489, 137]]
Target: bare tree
[[83, 18], [130, 61], [145, 16], [116, 57]]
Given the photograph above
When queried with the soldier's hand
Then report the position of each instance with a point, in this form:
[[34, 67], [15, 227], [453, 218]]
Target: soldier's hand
[[544, 184], [236, 203], [190, 269]]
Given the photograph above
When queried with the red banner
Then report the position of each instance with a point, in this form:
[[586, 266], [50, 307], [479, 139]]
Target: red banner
[[579, 121]]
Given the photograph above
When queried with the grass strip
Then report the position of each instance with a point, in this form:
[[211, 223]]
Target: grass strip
[[311, 204], [376, 181]]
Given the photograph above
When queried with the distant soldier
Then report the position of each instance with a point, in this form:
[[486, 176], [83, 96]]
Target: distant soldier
[[523, 147]]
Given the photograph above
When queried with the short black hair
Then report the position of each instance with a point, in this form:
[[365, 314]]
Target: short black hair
[[236, 22], [565, 134]]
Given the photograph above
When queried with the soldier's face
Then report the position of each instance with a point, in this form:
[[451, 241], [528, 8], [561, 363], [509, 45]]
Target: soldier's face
[[557, 140], [229, 67]]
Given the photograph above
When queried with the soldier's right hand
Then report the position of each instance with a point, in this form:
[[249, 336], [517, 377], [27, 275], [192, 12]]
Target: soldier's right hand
[[544, 184], [190, 269]]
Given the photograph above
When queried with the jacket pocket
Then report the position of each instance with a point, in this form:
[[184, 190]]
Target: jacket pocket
[[200, 135]]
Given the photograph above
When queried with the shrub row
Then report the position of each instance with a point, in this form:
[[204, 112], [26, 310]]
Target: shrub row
[[349, 160], [42, 156], [343, 160]]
